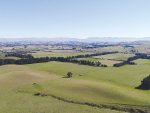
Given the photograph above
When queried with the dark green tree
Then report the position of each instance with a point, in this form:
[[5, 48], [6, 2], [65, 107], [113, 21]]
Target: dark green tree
[[145, 83], [69, 74]]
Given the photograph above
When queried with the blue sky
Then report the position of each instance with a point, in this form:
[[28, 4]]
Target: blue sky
[[74, 18]]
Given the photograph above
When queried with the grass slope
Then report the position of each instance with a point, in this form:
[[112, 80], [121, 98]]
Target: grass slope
[[112, 85], [103, 61], [13, 77], [117, 56], [129, 75], [59, 53]]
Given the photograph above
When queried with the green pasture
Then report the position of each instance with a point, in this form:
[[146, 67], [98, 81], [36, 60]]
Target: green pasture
[[117, 56], [92, 91], [109, 59], [14, 77], [11, 57], [111, 85], [115, 48], [59, 53], [2, 56], [142, 61], [130, 75], [88, 59], [147, 62], [109, 62], [143, 48], [103, 61]]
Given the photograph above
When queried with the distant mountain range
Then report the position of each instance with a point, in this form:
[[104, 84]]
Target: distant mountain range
[[90, 39], [118, 39]]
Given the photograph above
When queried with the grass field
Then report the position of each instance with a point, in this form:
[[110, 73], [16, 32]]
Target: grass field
[[14, 77], [115, 48], [11, 57], [103, 61], [114, 86], [89, 59], [109, 59], [109, 62], [59, 53], [119, 75], [2, 55], [117, 56]]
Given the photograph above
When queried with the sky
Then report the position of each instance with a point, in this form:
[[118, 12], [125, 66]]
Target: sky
[[74, 18]]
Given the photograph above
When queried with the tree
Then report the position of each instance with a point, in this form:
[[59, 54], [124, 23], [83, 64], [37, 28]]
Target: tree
[[145, 83], [69, 74], [97, 64]]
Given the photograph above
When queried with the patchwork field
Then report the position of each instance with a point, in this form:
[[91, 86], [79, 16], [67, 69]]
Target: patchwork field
[[115, 48], [102, 61], [111, 86], [109, 59], [59, 53], [117, 56]]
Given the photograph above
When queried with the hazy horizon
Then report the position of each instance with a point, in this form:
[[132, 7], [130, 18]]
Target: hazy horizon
[[75, 37]]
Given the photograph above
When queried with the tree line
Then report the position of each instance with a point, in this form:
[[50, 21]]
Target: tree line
[[29, 59], [20, 55], [137, 56], [95, 54], [24, 61], [47, 59], [124, 63], [82, 62]]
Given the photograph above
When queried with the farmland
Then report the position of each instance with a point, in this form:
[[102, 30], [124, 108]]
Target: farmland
[[13, 77], [100, 87]]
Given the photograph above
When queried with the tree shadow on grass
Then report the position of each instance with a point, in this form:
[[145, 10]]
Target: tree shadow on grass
[[145, 84], [66, 77], [142, 87], [130, 105]]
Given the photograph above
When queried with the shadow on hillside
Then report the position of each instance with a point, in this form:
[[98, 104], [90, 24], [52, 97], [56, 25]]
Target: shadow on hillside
[[66, 77], [141, 87], [130, 105]]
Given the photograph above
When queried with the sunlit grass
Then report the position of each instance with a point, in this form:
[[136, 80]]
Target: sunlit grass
[[14, 77]]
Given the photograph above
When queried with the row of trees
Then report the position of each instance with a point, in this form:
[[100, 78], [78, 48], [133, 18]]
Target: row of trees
[[47, 59], [89, 55], [24, 61], [124, 63], [19, 55], [96, 63], [29, 59], [138, 55], [83, 62]]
